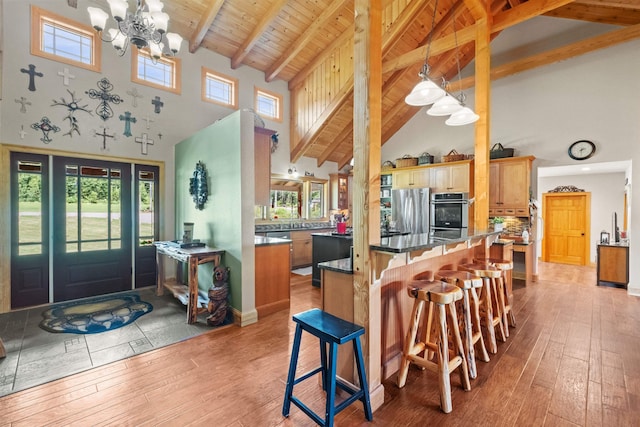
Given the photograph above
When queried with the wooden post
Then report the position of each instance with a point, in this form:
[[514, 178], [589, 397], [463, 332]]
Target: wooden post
[[367, 130], [482, 134]]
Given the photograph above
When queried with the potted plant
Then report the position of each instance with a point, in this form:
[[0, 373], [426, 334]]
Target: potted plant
[[498, 223]]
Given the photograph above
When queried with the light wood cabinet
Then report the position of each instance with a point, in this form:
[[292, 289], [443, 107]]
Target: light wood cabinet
[[262, 161], [613, 265], [339, 186], [509, 186], [411, 178], [273, 271], [451, 178], [301, 248]]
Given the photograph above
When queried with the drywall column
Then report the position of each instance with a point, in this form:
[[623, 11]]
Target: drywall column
[[367, 129]]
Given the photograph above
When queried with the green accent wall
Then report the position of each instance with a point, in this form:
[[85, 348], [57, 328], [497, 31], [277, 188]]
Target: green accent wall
[[220, 224]]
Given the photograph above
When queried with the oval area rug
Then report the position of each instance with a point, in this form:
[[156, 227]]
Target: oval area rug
[[95, 315]]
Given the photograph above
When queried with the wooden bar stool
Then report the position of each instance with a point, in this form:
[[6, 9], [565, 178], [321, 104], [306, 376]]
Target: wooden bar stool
[[331, 331], [442, 296], [471, 313], [508, 318], [489, 300]]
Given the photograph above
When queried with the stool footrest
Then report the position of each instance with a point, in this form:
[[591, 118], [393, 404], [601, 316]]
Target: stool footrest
[[307, 375]]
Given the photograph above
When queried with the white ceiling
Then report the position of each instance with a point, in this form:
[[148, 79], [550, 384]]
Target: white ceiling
[[586, 169]]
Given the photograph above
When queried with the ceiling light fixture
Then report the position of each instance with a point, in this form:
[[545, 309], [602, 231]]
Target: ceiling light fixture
[[427, 92], [147, 27]]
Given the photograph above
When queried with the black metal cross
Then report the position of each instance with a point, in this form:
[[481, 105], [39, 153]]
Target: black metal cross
[[32, 76], [103, 109], [157, 104], [104, 136]]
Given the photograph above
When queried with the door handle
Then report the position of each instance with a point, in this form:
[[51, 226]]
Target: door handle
[[582, 234]]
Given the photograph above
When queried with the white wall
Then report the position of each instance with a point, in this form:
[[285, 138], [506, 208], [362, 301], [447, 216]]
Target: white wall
[[542, 111]]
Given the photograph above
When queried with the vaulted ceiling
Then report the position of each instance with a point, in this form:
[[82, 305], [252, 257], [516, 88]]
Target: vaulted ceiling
[[292, 40]]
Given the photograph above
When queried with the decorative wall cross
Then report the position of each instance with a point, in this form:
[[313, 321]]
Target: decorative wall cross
[[66, 75], [103, 109], [23, 104], [104, 136], [157, 104], [72, 107], [144, 140], [128, 119], [32, 76], [22, 132], [148, 120], [135, 95], [46, 127]]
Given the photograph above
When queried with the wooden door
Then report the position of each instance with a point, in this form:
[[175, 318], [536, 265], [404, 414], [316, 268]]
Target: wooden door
[[567, 218], [92, 250]]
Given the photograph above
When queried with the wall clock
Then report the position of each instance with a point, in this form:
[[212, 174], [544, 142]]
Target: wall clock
[[198, 187], [582, 150]]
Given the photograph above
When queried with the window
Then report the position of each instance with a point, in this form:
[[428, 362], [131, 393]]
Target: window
[[164, 74], [61, 39], [268, 104], [219, 89]]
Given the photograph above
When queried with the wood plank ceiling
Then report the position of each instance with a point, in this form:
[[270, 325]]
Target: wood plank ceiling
[[303, 43]]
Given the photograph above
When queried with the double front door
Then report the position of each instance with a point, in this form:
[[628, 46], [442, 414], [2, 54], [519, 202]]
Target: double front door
[[80, 227]]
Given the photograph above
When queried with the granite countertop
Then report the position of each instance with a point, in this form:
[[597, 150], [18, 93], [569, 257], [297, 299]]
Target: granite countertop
[[334, 234], [621, 244], [294, 226], [414, 242], [338, 265], [265, 241], [507, 240]]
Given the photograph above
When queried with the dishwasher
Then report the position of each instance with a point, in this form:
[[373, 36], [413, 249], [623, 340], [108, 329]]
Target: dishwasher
[[279, 234]]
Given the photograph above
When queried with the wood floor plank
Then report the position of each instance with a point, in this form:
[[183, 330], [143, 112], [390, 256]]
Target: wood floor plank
[[594, 405], [569, 398]]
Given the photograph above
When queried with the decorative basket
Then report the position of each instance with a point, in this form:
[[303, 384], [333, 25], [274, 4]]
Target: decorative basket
[[406, 161], [453, 156], [425, 159], [387, 165], [499, 152]]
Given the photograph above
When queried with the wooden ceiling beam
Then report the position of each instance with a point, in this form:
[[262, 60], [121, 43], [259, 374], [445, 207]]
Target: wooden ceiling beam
[[253, 38], [545, 58], [624, 16], [476, 8], [204, 24], [304, 39], [501, 20], [337, 142]]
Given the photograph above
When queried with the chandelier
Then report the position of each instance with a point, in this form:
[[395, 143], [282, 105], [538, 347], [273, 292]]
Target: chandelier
[[147, 27], [427, 92]]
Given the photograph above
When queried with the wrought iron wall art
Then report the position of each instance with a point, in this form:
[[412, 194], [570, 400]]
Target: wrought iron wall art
[[32, 76], [46, 127], [104, 136], [23, 104], [103, 109], [198, 186], [127, 118], [72, 107], [566, 189], [274, 142]]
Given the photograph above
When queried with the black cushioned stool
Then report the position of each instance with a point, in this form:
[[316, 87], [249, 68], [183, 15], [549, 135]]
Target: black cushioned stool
[[333, 331]]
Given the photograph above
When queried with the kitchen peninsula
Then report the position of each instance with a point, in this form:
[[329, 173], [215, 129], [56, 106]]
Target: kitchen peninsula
[[396, 261]]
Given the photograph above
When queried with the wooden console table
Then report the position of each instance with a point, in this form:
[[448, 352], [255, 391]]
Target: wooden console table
[[193, 257]]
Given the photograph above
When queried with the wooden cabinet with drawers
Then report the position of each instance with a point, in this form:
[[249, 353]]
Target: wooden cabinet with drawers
[[301, 248], [509, 186]]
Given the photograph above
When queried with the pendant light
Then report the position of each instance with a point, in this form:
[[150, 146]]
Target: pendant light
[[445, 106]]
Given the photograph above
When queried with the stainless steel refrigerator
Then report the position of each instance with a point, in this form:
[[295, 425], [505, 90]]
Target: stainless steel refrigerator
[[410, 210]]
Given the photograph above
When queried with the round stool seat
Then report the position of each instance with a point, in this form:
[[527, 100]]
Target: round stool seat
[[482, 270], [462, 279], [434, 291], [502, 264]]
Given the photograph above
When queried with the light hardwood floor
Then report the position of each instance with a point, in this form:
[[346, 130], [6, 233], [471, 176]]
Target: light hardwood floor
[[574, 359]]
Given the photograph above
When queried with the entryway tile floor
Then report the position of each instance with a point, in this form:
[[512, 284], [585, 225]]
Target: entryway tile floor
[[35, 356]]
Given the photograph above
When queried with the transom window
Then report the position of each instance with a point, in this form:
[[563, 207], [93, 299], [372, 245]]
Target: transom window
[[163, 73], [61, 39], [219, 88], [268, 104]]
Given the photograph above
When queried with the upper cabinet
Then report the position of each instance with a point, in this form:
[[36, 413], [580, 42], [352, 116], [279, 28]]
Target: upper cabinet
[[452, 178], [411, 178], [339, 186], [509, 186], [262, 157]]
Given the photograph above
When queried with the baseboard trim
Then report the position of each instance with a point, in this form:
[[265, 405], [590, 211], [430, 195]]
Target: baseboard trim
[[244, 319]]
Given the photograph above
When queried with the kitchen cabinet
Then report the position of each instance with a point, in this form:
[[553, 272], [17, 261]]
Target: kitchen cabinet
[[272, 275], [411, 178], [509, 186], [339, 188], [301, 250], [613, 265], [262, 163], [451, 178], [386, 185]]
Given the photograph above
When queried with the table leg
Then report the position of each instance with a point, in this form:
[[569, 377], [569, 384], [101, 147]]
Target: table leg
[[159, 274], [192, 307]]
